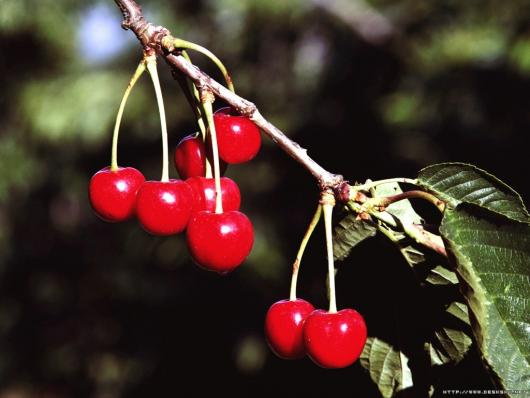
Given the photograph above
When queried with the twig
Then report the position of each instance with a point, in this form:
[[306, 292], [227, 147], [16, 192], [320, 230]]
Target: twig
[[159, 39], [415, 231], [388, 200]]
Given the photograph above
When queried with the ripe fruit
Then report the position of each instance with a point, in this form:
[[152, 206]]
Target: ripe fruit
[[204, 194], [284, 327], [219, 242], [190, 157], [334, 340], [164, 208], [238, 138], [112, 194]]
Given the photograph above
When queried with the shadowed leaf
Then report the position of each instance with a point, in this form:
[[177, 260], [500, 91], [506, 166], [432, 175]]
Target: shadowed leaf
[[348, 233]]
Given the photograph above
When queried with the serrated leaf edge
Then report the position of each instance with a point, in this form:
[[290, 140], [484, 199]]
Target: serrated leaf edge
[[455, 203]]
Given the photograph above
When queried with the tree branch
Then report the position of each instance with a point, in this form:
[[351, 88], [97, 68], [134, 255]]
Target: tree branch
[[159, 39]]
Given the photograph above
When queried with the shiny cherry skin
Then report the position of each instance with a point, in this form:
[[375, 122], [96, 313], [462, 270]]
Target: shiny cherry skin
[[284, 327], [190, 157], [334, 340], [219, 242], [204, 194], [238, 138], [112, 194], [164, 208]]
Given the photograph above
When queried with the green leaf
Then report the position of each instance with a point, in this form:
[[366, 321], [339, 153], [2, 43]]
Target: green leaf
[[492, 253], [387, 366], [451, 343], [459, 182], [348, 233], [413, 256], [449, 335], [442, 276]]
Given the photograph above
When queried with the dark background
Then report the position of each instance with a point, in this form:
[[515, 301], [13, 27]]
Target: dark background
[[373, 89]]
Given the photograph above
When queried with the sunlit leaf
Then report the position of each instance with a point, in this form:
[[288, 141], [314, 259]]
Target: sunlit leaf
[[388, 367], [442, 276], [451, 344], [459, 182], [492, 253]]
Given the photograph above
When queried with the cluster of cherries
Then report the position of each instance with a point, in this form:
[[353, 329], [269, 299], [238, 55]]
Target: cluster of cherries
[[331, 339], [219, 236], [217, 240]]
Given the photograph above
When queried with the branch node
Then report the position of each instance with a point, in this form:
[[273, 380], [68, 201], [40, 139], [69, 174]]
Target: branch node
[[342, 192]]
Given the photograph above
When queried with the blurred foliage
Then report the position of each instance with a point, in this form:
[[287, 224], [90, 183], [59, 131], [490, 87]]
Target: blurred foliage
[[93, 309]]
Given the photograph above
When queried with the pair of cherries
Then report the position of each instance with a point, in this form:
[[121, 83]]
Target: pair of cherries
[[217, 241], [294, 328]]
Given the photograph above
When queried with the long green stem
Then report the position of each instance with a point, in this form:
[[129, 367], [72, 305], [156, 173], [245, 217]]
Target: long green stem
[[179, 43], [202, 120], [151, 67], [114, 156], [385, 231], [208, 111], [327, 206], [198, 108], [191, 94], [196, 100], [303, 244]]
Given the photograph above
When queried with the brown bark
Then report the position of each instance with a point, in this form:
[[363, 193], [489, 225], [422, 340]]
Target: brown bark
[[158, 39]]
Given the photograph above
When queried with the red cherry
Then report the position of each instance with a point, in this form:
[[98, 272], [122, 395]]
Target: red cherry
[[219, 242], [190, 157], [204, 193], [164, 208], [284, 327], [112, 194], [238, 138], [334, 340]]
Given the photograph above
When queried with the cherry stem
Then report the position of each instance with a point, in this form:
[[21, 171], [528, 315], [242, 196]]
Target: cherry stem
[[414, 231], [303, 244], [114, 156], [199, 111], [195, 100], [151, 67], [388, 200], [328, 202], [372, 184], [184, 44], [207, 99]]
